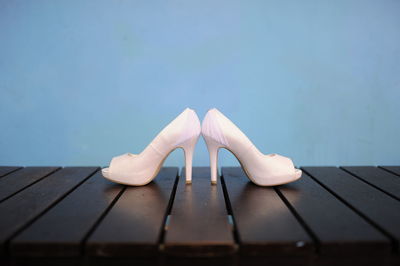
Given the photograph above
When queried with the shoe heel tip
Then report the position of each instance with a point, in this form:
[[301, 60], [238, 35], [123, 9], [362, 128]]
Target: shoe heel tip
[[213, 182], [188, 182]]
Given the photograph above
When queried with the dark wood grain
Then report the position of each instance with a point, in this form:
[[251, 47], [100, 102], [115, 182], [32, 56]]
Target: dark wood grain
[[73, 216], [5, 170], [265, 225], [199, 224], [377, 177], [17, 181], [19, 210], [61, 231], [343, 236], [393, 169], [377, 207], [134, 225]]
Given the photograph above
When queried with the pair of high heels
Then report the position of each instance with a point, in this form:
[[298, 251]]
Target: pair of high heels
[[218, 132]]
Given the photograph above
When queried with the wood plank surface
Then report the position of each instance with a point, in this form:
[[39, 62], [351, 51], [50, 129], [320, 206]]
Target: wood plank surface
[[377, 207], [393, 169], [5, 170], [61, 230], [265, 225], [21, 209], [134, 225], [73, 216], [343, 236], [198, 224], [17, 181], [387, 182]]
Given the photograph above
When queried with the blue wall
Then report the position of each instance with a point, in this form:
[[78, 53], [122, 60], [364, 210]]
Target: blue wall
[[82, 81]]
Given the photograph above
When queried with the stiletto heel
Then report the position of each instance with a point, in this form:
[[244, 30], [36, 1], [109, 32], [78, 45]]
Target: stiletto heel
[[140, 169], [213, 147], [262, 169], [188, 149]]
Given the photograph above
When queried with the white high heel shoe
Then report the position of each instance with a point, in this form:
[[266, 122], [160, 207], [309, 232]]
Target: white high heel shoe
[[140, 169], [264, 170]]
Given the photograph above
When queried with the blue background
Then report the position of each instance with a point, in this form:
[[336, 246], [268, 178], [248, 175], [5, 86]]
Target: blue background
[[82, 81]]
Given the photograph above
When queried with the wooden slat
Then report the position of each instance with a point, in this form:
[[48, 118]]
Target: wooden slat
[[266, 227], [133, 226], [377, 207], [199, 225], [5, 170], [393, 169], [61, 230], [24, 207], [16, 181], [341, 233], [387, 182]]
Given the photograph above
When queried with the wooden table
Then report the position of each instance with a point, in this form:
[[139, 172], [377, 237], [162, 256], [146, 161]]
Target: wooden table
[[73, 216]]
